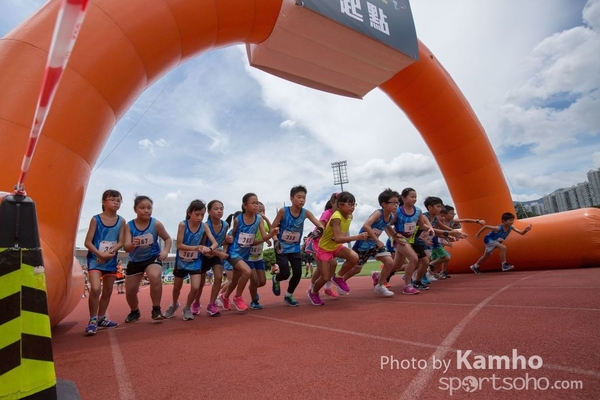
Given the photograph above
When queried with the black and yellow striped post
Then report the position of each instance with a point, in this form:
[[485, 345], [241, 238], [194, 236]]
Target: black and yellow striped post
[[26, 361]]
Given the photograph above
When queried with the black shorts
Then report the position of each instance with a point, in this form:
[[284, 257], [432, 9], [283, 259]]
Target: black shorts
[[209, 262], [139, 267], [419, 249], [182, 273]]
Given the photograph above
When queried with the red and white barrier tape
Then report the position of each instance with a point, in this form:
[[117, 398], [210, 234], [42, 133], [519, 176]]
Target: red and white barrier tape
[[68, 23]]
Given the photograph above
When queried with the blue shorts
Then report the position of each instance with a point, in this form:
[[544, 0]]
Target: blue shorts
[[258, 265], [227, 266]]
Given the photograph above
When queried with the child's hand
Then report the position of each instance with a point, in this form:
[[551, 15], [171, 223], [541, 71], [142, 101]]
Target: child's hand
[[229, 239], [163, 255], [527, 228], [277, 247]]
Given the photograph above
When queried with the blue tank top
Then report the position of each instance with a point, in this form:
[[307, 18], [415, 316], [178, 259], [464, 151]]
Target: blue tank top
[[290, 231], [105, 239], [406, 224], [378, 227], [244, 238], [186, 259], [421, 235], [219, 236], [501, 234], [148, 238]]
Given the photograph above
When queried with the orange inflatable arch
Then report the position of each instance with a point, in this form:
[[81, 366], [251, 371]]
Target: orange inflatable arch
[[125, 46]]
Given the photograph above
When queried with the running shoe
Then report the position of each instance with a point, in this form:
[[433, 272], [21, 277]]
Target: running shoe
[[187, 314], [106, 323], [445, 275], [507, 267], [431, 277], [375, 277], [255, 306], [420, 287], [276, 287], [315, 299], [196, 306], [409, 290], [171, 310], [475, 269], [218, 302], [425, 281], [238, 303], [290, 301], [341, 285], [133, 316], [92, 327], [211, 310], [156, 314], [225, 301], [383, 291], [331, 293]]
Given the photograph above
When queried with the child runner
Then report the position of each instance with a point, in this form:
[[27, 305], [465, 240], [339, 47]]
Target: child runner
[[290, 221], [408, 217], [215, 259], [313, 241], [191, 245], [331, 245], [104, 238], [227, 268], [378, 222], [145, 256], [256, 262], [244, 230], [495, 240]]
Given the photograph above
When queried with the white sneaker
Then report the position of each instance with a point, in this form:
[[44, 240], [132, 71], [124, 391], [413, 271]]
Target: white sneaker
[[383, 291], [187, 314], [431, 277], [218, 302], [171, 310]]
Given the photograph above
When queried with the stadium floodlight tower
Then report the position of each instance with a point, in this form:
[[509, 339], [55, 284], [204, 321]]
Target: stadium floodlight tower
[[340, 173]]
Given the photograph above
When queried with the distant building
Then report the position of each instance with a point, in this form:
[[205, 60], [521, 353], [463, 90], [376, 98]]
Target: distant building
[[594, 182]]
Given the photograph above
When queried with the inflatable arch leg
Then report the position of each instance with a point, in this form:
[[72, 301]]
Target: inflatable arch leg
[[126, 41]]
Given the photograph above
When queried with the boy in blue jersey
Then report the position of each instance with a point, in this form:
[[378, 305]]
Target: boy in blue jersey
[[290, 221], [495, 240]]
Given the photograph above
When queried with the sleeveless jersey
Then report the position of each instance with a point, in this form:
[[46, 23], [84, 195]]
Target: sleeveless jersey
[[190, 260], [219, 236], [148, 239], [406, 224], [420, 236], [327, 243], [378, 227], [290, 231], [244, 238], [256, 252], [501, 234], [105, 239]]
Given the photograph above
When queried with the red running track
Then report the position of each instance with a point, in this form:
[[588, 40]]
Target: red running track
[[337, 350]]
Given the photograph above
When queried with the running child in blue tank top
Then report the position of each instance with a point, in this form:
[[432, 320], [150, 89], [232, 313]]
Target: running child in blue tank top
[[145, 256], [227, 268], [379, 221], [192, 235], [408, 218], [290, 221], [495, 240], [104, 238], [244, 230], [256, 262], [213, 260]]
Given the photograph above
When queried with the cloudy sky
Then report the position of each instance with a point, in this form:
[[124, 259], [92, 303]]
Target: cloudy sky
[[216, 128]]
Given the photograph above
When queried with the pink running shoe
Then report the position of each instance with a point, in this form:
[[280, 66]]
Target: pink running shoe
[[341, 285], [315, 299], [375, 277], [332, 293], [239, 304], [225, 301], [213, 310], [410, 290], [196, 307]]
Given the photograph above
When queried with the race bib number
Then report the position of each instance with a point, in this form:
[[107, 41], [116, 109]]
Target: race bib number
[[377, 232], [256, 250], [107, 246], [145, 240], [409, 227], [290, 237], [245, 239], [187, 255]]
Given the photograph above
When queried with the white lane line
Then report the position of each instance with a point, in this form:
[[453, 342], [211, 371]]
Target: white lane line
[[126, 391]]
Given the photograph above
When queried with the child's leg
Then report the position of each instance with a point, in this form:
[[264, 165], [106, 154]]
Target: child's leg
[[107, 289], [218, 277], [132, 285], [95, 283], [252, 288], [422, 267], [484, 257], [195, 284], [154, 273], [284, 267], [388, 266], [295, 261], [502, 253], [245, 273], [325, 272], [406, 252], [177, 285]]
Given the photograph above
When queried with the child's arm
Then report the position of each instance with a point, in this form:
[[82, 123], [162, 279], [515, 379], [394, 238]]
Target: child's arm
[[318, 224], [164, 235], [275, 224], [446, 231], [338, 237], [263, 234], [470, 220], [367, 228], [208, 234], [121, 242], [424, 225], [485, 227], [524, 231], [128, 245], [180, 235]]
